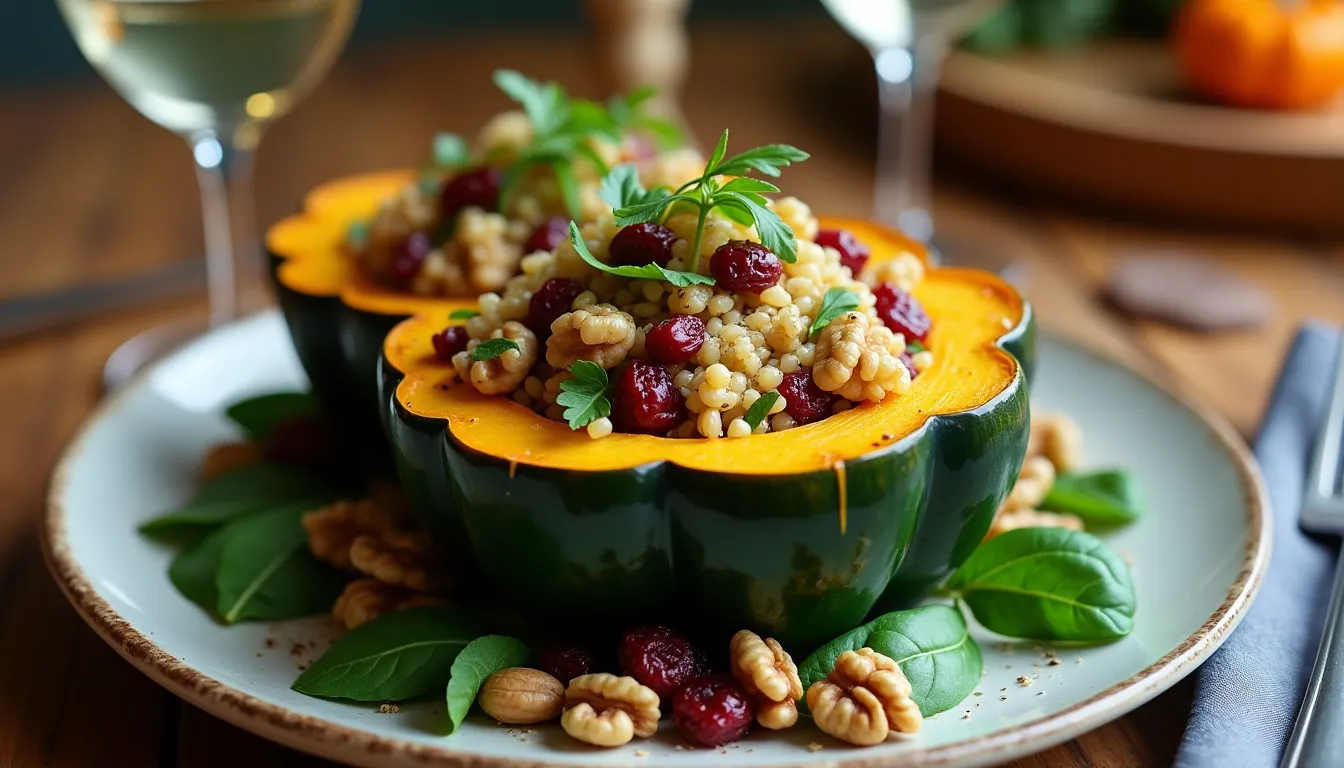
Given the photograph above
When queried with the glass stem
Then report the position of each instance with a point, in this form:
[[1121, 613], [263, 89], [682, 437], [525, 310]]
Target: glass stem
[[907, 81], [232, 259]]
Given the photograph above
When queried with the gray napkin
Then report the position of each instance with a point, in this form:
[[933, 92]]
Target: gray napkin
[[1247, 694]]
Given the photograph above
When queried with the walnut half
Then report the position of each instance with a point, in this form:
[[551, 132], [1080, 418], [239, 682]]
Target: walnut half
[[864, 698], [602, 334], [500, 375], [366, 599], [769, 675], [859, 360], [607, 711]]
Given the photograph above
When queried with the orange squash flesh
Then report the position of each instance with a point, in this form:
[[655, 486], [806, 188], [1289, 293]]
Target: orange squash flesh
[[311, 245], [970, 309]]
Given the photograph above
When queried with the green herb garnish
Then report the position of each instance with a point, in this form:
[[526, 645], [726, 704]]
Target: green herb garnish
[[492, 348], [646, 272], [462, 314], [835, 303], [587, 396], [621, 189], [914, 347], [450, 151], [561, 129], [628, 114], [741, 199], [1047, 584], [357, 235], [760, 409]]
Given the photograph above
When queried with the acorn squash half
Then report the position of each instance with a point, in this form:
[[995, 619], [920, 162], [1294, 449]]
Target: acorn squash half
[[798, 534], [337, 317]]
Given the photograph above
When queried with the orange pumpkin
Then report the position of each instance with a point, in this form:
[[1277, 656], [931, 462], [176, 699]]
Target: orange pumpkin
[[1263, 53]]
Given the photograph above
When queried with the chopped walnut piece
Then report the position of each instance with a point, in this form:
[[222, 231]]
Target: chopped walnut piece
[[490, 256], [768, 674], [607, 711], [600, 333], [1034, 481], [859, 360], [503, 374], [401, 558], [1012, 519], [1057, 437], [864, 698], [228, 456], [333, 528], [366, 599]]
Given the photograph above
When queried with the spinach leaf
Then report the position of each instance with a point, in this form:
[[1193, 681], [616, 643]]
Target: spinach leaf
[[1109, 497], [395, 657], [258, 416], [482, 658], [935, 650], [1048, 584], [239, 492], [266, 571], [193, 570]]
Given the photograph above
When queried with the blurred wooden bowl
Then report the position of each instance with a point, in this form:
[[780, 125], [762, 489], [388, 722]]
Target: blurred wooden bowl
[[1114, 125]]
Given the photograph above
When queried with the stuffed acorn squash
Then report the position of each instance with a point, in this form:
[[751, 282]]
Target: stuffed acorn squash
[[859, 441], [371, 250]]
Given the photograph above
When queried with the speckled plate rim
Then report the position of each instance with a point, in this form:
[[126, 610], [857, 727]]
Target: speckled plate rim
[[320, 737]]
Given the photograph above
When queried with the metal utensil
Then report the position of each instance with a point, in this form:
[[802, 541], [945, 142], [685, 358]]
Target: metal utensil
[[1318, 736]]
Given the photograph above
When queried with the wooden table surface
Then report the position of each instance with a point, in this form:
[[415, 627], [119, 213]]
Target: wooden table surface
[[91, 190]]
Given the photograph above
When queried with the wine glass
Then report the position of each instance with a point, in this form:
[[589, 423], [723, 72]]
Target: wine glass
[[908, 40], [217, 73]]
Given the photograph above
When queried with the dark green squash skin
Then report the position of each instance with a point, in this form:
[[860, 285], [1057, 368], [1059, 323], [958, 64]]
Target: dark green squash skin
[[339, 347], [715, 550]]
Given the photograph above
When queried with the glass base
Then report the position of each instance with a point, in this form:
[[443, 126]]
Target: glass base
[[140, 350]]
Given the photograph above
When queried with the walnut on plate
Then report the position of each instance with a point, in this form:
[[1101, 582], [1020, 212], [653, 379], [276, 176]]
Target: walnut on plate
[[601, 333], [607, 711], [522, 696], [364, 600], [500, 375], [859, 360], [1057, 437], [864, 698], [1034, 481], [1012, 519], [229, 456], [407, 559], [769, 675], [333, 528]]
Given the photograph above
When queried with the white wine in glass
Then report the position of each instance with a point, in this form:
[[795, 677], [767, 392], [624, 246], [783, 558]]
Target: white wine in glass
[[908, 40], [216, 72]]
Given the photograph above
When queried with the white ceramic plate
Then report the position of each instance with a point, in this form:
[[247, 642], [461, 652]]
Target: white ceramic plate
[[1197, 557]]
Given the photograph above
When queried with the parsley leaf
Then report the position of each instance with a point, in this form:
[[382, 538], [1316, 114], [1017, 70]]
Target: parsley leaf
[[357, 235], [492, 348], [462, 314], [768, 160], [621, 189], [646, 272], [546, 105], [450, 151], [837, 302], [774, 233], [760, 409], [587, 396], [914, 346]]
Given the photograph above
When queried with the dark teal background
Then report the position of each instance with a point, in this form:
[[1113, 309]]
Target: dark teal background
[[35, 45]]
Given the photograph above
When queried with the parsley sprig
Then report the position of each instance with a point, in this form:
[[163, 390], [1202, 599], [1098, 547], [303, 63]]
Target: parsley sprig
[[742, 199], [587, 396], [760, 409], [646, 272], [835, 303], [492, 348]]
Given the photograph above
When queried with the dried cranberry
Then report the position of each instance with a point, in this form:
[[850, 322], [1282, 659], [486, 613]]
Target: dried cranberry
[[742, 266], [803, 399], [449, 342], [901, 312], [303, 441], [566, 662], [909, 361], [853, 252], [675, 340], [641, 244], [550, 301], [479, 187], [646, 400], [408, 257], [712, 710], [657, 657], [547, 236]]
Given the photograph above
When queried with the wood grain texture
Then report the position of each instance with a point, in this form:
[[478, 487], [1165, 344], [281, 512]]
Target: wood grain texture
[[93, 190]]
